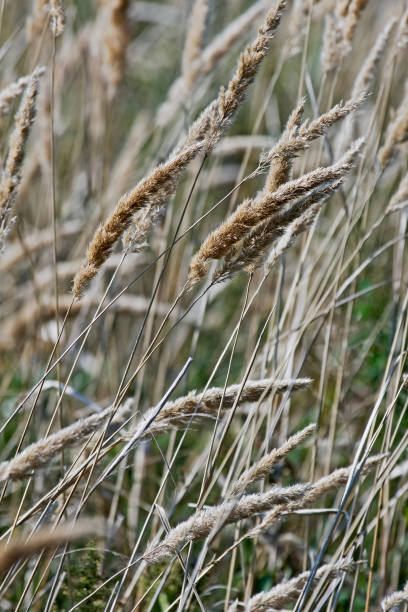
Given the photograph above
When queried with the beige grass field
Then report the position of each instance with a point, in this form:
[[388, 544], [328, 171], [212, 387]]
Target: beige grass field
[[204, 305]]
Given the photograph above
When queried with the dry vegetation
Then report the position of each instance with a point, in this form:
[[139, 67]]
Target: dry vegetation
[[204, 294]]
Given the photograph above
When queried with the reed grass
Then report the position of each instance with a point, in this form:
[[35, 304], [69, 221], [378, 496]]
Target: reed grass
[[212, 416], [11, 173]]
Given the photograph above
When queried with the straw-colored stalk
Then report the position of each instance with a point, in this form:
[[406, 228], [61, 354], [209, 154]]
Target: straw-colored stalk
[[203, 522], [339, 32], [193, 45], [112, 31], [366, 76], [284, 227], [253, 249], [402, 34], [395, 600], [263, 467], [44, 539], [355, 9], [11, 92], [213, 121], [397, 131], [299, 17], [257, 210], [287, 591], [11, 174], [217, 116], [293, 230], [332, 48], [280, 162], [400, 197], [206, 62], [32, 316], [173, 415], [38, 454], [125, 162], [29, 319], [152, 190], [36, 20], [198, 405], [368, 71], [294, 140], [316, 491]]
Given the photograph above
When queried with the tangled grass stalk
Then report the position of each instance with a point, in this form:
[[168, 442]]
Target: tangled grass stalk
[[322, 486], [173, 415], [251, 212], [152, 190], [39, 454], [179, 412], [284, 227], [203, 522], [287, 591]]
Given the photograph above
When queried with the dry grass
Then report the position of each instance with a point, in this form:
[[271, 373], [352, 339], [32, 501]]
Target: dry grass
[[203, 196]]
